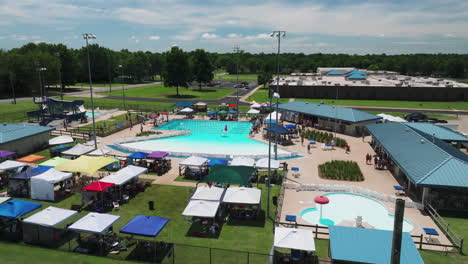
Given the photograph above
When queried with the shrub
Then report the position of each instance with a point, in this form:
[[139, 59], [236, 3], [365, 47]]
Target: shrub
[[148, 133], [341, 170]]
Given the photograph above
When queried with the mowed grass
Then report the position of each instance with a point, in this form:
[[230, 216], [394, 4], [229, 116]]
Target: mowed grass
[[85, 85], [233, 77], [162, 92], [261, 96]]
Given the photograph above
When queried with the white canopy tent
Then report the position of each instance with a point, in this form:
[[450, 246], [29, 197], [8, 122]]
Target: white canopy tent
[[78, 150], [124, 175], [201, 208], [186, 110], [253, 111], [194, 161], [255, 105], [42, 185], [200, 104], [242, 161], [208, 193], [91, 143], [263, 164], [242, 195], [50, 216], [61, 140], [4, 199], [273, 116], [94, 223], [391, 118], [11, 165], [99, 152], [294, 238]]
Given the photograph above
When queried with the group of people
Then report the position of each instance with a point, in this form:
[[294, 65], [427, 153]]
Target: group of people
[[380, 163]]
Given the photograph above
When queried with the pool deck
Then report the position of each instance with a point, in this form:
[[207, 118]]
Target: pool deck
[[294, 202]]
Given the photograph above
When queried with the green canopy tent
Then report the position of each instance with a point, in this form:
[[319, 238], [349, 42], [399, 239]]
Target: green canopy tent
[[230, 175]]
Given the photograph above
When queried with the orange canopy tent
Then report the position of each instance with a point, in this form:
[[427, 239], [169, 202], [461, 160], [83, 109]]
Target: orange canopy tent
[[31, 158]]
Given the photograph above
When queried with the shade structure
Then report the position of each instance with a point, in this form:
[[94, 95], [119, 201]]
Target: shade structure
[[253, 111], [6, 154], [229, 175], [217, 162], [212, 112], [277, 129], [183, 104], [200, 104], [290, 126], [186, 110], [61, 148], [263, 164], [194, 161], [321, 199], [273, 115], [4, 199], [270, 121], [232, 105], [294, 238], [25, 175], [255, 105], [11, 165], [154, 117], [41, 169], [94, 223], [31, 158], [16, 208], [391, 118], [50, 216], [242, 195], [144, 225], [201, 208], [242, 161], [157, 155], [124, 175], [54, 162], [91, 143], [138, 155], [42, 185], [99, 152], [97, 186], [78, 150], [208, 193], [223, 112], [85, 164], [232, 112], [61, 140]]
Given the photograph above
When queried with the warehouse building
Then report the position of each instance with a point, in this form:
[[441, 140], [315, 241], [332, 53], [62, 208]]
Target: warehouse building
[[22, 138]]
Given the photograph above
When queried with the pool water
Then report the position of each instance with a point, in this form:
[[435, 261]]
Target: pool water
[[346, 207], [90, 114], [209, 139]]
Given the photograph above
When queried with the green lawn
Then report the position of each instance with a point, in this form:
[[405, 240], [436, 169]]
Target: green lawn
[[261, 96], [84, 85], [233, 77], [162, 92]]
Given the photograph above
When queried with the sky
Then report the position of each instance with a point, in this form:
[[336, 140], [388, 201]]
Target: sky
[[312, 26]]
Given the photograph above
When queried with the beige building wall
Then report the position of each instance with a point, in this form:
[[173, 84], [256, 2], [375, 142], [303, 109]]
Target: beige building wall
[[27, 144]]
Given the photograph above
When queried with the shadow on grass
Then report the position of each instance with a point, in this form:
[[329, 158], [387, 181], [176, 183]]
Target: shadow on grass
[[259, 222], [197, 229], [154, 252], [203, 90], [181, 96]]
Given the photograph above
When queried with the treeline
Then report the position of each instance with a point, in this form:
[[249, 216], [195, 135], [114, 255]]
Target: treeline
[[19, 67]]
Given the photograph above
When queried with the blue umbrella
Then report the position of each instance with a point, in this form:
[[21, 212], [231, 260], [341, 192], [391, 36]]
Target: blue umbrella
[[212, 112], [233, 112]]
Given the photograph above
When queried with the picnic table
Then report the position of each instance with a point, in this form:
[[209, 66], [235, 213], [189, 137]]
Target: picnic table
[[430, 232]]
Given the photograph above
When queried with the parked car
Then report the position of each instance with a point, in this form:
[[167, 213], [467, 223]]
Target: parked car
[[415, 117]]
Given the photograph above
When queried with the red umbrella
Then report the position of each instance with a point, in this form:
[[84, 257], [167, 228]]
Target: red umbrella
[[321, 200], [154, 117], [232, 105], [164, 113]]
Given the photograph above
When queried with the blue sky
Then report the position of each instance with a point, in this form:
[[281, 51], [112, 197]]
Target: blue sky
[[331, 26]]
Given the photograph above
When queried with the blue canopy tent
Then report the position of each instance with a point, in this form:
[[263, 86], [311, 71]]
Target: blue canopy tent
[[277, 129], [212, 112], [61, 148], [217, 162], [41, 169], [16, 208], [290, 126], [138, 155], [25, 175], [143, 225], [183, 104]]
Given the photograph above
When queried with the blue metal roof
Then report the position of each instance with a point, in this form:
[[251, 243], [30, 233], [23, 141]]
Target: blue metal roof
[[355, 71], [356, 76], [329, 111], [183, 104], [370, 246], [334, 72], [439, 132], [277, 129], [12, 132], [424, 159]]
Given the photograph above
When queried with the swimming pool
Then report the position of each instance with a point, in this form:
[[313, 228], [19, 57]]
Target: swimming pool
[[345, 207], [90, 114], [209, 139]]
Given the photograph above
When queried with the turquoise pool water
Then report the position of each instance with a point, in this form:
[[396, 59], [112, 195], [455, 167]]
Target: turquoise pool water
[[96, 113], [208, 138], [346, 207]]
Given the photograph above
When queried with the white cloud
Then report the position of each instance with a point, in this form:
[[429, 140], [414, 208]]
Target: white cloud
[[209, 36], [413, 43], [234, 36], [154, 38], [448, 35], [258, 37]]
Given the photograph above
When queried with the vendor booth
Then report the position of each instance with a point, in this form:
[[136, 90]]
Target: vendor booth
[[158, 162], [99, 152], [31, 158], [243, 203], [201, 208], [136, 158], [100, 241], [51, 184], [242, 161], [193, 167], [217, 162], [77, 150], [300, 241], [143, 225], [40, 227], [8, 168], [10, 212], [86, 164], [262, 164], [19, 184], [126, 181], [98, 196], [222, 174], [54, 162], [208, 193], [4, 155], [200, 107], [61, 140]]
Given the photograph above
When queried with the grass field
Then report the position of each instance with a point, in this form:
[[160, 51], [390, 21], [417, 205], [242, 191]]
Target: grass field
[[233, 77], [261, 96], [162, 92]]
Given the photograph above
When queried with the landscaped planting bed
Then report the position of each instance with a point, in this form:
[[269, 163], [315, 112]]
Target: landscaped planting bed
[[341, 170]]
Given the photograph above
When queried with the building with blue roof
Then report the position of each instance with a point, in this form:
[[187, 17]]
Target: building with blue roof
[[433, 170], [356, 76], [440, 132], [360, 245], [22, 138], [347, 120], [334, 73]]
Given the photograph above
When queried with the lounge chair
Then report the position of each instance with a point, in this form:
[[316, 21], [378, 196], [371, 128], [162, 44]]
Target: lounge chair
[[116, 205]]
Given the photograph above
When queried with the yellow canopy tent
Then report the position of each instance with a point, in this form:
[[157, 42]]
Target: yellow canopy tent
[[85, 164]]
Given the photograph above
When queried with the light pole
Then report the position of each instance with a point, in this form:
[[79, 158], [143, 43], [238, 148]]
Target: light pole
[[237, 50], [277, 34], [11, 77], [60, 74], [41, 86], [109, 72], [88, 36], [123, 88]]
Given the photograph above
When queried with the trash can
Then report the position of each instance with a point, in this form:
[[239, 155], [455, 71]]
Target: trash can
[[151, 205]]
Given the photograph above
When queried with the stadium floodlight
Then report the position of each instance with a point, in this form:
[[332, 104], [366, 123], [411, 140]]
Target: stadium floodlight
[[87, 36]]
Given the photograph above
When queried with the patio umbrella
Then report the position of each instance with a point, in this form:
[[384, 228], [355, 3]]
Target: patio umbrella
[[233, 112], [154, 116], [212, 112], [186, 110], [321, 200], [232, 105], [253, 111], [222, 112]]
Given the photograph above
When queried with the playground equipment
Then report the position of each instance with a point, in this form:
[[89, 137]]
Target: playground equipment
[[51, 109]]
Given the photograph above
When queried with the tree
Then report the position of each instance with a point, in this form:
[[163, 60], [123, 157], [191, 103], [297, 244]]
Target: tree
[[202, 68], [455, 68], [177, 72], [264, 78]]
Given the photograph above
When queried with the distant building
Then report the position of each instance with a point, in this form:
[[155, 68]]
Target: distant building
[[22, 138]]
